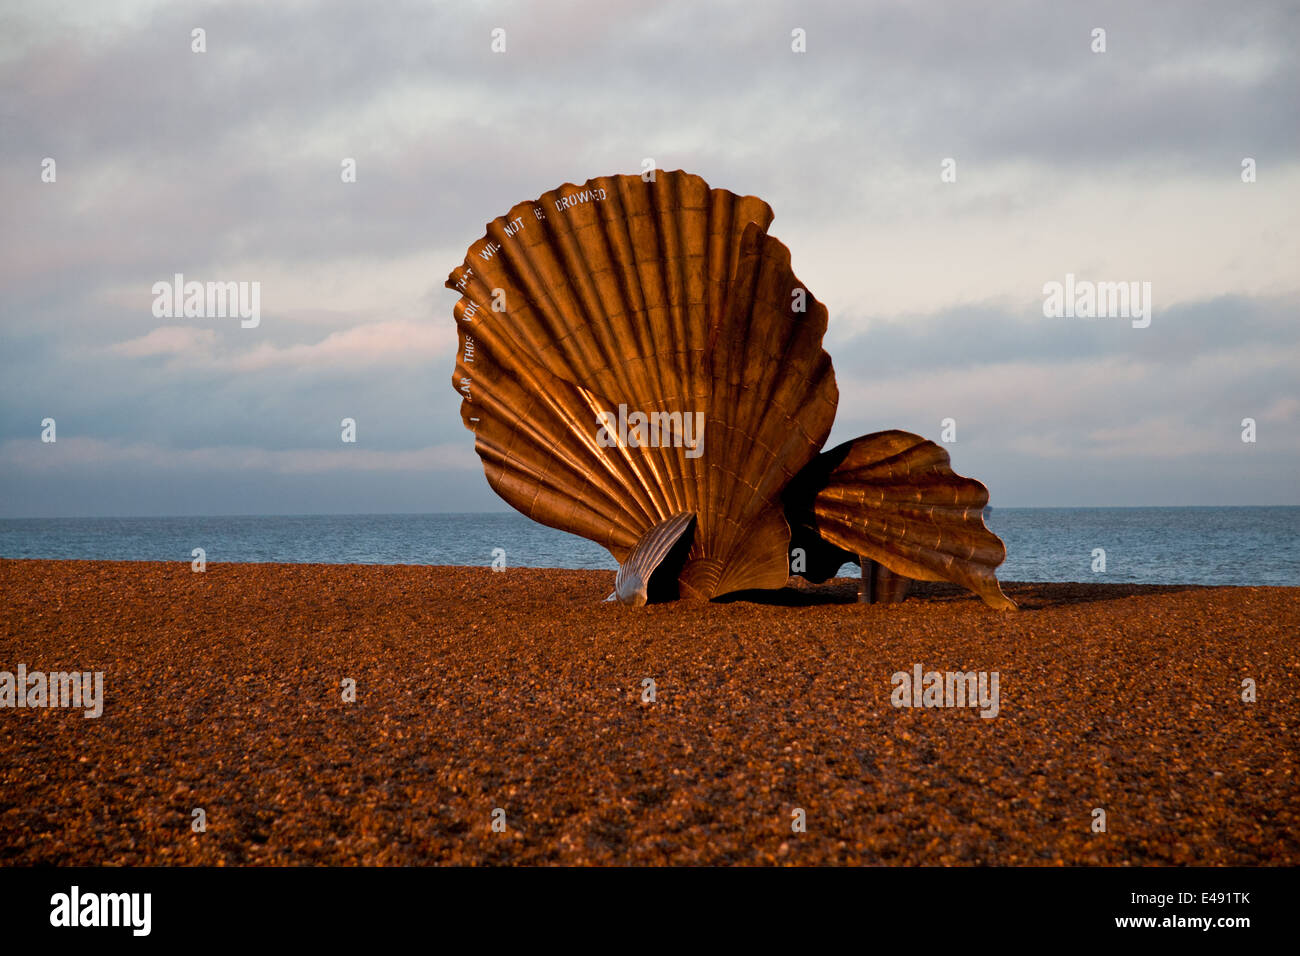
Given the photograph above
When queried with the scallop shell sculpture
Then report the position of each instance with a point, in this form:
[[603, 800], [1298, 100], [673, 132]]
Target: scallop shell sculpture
[[640, 366]]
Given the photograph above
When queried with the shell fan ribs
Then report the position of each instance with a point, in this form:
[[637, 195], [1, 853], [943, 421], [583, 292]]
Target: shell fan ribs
[[631, 352]]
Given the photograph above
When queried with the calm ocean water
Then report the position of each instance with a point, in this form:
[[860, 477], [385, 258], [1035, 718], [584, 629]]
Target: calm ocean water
[[1142, 545]]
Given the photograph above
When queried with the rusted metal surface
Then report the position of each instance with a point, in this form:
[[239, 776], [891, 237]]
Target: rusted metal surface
[[892, 498], [880, 585], [630, 351]]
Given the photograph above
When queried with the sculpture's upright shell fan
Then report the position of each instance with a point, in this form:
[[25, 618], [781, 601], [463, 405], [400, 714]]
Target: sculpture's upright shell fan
[[639, 366], [664, 300]]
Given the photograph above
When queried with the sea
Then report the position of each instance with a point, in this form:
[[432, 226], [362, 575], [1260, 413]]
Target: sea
[[1239, 545]]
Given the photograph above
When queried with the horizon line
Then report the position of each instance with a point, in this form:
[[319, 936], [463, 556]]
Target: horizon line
[[508, 511]]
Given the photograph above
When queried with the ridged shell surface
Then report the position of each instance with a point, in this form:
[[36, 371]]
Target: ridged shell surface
[[892, 497], [664, 299]]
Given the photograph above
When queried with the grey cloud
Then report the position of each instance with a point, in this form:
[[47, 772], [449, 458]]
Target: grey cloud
[[983, 334], [171, 161]]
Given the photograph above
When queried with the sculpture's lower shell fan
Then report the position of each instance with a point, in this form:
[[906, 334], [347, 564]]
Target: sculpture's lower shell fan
[[640, 366], [892, 498]]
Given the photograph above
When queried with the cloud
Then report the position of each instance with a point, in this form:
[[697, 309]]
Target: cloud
[[387, 344], [93, 454], [169, 340], [1281, 411], [226, 166]]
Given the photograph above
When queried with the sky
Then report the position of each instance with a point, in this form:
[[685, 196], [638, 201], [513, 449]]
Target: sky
[[226, 165]]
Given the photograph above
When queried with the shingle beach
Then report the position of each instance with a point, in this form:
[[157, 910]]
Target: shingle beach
[[522, 692]]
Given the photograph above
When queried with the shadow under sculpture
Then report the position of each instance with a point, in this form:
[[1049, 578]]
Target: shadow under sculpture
[[640, 366]]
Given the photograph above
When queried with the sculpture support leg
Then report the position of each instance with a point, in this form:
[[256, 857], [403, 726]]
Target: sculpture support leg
[[879, 584], [864, 586]]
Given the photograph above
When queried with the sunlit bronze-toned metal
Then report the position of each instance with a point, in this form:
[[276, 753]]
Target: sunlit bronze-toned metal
[[667, 299], [892, 501]]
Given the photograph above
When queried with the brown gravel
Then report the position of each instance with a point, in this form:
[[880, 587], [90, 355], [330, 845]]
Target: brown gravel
[[520, 690]]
